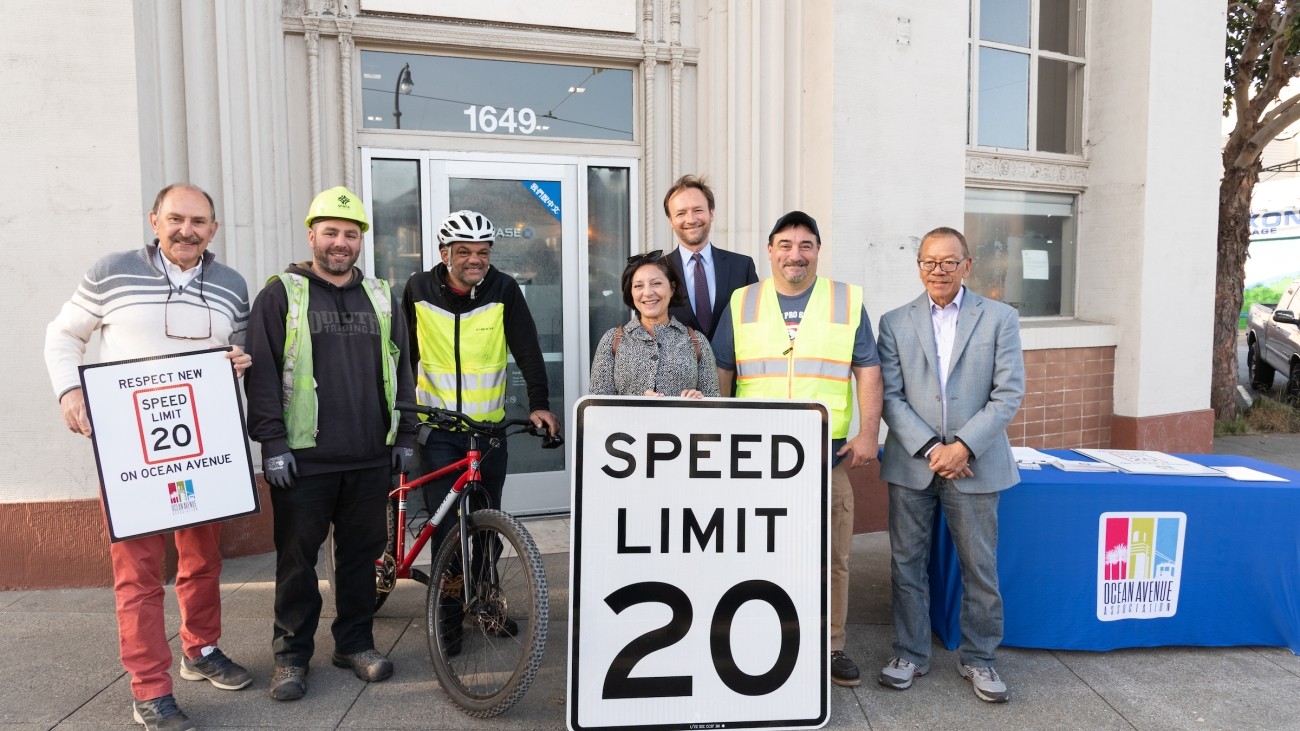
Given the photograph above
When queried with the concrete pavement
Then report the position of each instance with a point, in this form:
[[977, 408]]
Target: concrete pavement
[[61, 668]]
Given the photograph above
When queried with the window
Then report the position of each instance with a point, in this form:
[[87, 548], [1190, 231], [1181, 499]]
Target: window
[[1026, 75], [499, 98], [1024, 249]]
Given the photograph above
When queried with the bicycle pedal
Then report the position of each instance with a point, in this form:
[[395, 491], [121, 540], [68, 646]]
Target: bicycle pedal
[[420, 576], [453, 587]]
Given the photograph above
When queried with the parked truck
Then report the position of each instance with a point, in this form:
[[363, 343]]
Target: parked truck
[[1273, 342]]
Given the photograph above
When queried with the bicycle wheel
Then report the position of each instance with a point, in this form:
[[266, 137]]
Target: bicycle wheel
[[486, 636]]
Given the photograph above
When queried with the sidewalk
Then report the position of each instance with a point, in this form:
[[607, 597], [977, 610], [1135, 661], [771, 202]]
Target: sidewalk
[[62, 671]]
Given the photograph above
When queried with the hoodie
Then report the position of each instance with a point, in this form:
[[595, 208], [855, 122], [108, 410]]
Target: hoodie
[[352, 417]]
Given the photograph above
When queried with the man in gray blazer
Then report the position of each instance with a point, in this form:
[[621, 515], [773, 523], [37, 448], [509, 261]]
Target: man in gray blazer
[[954, 376], [689, 207]]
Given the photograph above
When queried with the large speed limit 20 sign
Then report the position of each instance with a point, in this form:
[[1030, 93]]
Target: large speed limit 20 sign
[[699, 547]]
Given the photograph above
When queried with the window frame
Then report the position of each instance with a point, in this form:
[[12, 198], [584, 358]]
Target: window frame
[[974, 43]]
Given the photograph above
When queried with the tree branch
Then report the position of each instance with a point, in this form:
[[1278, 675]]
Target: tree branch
[[1272, 129]]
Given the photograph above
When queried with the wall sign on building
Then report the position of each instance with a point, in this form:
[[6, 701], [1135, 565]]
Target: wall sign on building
[[169, 442], [699, 589]]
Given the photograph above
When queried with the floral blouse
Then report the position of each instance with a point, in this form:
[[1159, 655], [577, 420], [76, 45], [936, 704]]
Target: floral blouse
[[663, 362]]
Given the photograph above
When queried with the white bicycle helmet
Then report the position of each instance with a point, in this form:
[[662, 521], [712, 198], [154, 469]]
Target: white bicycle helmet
[[468, 226]]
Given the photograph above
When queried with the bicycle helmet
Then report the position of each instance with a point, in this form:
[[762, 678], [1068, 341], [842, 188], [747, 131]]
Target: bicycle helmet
[[469, 226]]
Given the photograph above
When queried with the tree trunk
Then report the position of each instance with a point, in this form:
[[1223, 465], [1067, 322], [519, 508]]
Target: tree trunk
[[1234, 243]]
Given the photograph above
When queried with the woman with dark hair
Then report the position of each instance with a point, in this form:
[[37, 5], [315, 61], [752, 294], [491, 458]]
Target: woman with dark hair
[[653, 354]]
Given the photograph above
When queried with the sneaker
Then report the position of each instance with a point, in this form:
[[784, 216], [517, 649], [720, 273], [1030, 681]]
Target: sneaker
[[369, 665], [843, 670], [161, 714], [216, 668], [289, 683], [899, 674], [988, 686]]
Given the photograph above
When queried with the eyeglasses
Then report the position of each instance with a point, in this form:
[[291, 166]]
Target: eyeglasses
[[947, 265], [646, 258], [167, 315]]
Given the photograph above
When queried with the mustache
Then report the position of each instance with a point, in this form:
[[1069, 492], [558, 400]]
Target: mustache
[[176, 238]]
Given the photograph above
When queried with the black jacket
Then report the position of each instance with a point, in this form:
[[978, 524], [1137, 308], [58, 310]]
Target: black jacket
[[521, 331], [353, 417]]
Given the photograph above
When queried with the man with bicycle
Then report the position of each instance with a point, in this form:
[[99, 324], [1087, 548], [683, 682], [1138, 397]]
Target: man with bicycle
[[332, 346], [463, 315], [171, 296]]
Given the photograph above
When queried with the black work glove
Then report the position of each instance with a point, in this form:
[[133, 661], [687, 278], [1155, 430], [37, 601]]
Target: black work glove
[[402, 457], [280, 470]]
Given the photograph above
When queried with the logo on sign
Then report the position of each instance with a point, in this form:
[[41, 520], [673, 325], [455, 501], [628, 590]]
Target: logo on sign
[[1139, 565], [182, 496]]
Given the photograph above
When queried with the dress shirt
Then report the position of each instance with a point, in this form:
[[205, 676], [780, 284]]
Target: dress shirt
[[688, 272], [178, 277], [944, 320]]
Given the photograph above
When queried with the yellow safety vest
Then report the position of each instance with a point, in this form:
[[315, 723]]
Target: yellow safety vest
[[462, 360], [298, 379], [817, 364]]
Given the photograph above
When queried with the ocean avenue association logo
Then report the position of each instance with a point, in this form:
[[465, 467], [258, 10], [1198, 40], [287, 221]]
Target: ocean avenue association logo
[[182, 496], [1139, 565]]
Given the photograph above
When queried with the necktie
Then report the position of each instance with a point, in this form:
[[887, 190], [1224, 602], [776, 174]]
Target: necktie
[[703, 308]]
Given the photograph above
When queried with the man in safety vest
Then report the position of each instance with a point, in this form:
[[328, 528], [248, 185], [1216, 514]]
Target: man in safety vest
[[463, 315], [334, 361], [756, 344]]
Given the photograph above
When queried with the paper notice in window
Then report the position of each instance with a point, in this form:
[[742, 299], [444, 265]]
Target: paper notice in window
[[1034, 263]]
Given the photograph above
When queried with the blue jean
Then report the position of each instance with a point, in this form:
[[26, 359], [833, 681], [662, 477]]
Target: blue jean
[[973, 523], [355, 502]]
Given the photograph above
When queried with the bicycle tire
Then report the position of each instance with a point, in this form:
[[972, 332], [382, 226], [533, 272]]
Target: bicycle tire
[[492, 669]]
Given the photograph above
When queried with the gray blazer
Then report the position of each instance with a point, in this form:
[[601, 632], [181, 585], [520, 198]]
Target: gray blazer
[[985, 385]]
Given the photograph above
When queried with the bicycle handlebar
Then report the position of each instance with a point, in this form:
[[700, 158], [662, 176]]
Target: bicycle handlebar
[[449, 418]]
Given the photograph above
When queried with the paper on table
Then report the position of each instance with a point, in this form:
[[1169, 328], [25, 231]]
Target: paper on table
[[1248, 475], [1081, 465], [1029, 455]]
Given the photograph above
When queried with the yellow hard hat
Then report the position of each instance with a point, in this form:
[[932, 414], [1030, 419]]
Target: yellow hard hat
[[338, 202]]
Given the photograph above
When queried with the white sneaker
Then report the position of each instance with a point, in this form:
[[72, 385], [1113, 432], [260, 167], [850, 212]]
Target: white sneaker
[[899, 673], [988, 686]]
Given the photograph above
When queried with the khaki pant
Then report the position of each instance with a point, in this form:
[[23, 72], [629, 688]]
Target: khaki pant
[[841, 542]]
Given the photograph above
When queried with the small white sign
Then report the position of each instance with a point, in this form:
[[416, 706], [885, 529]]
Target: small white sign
[[169, 442], [1034, 264], [699, 589]]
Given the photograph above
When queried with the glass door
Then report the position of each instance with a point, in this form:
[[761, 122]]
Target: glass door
[[564, 228], [534, 208]]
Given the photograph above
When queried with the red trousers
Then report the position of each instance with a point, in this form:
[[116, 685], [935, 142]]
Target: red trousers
[[138, 586]]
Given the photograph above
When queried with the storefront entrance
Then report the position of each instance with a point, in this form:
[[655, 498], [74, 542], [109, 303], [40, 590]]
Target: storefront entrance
[[564, 227]]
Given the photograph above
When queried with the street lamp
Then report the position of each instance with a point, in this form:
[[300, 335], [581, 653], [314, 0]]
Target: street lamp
[[404, 86]]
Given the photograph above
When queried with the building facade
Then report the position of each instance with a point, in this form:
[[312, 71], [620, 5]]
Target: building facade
[[1075, 142]]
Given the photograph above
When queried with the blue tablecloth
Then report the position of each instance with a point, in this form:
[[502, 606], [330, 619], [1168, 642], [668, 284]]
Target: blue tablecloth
[[1238, 567]]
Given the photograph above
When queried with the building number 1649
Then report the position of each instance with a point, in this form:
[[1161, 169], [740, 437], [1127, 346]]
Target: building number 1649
[[487, 119]]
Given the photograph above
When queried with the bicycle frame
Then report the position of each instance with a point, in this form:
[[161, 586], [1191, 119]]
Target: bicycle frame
[[470, 463]]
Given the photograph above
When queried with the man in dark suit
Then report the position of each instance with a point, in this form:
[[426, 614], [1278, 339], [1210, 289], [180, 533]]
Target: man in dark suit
[[954, 376], [689, 207]]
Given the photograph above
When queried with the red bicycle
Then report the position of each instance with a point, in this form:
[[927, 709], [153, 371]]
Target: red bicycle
[[487, 610]]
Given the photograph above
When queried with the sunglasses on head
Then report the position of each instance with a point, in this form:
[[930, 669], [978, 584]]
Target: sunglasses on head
[[646, 258]]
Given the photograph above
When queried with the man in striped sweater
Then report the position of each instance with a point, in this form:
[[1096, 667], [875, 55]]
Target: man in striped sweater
[[170, 296]]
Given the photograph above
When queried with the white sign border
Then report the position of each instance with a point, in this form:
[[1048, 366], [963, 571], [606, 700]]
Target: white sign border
[[575, 553], [113, 537]]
